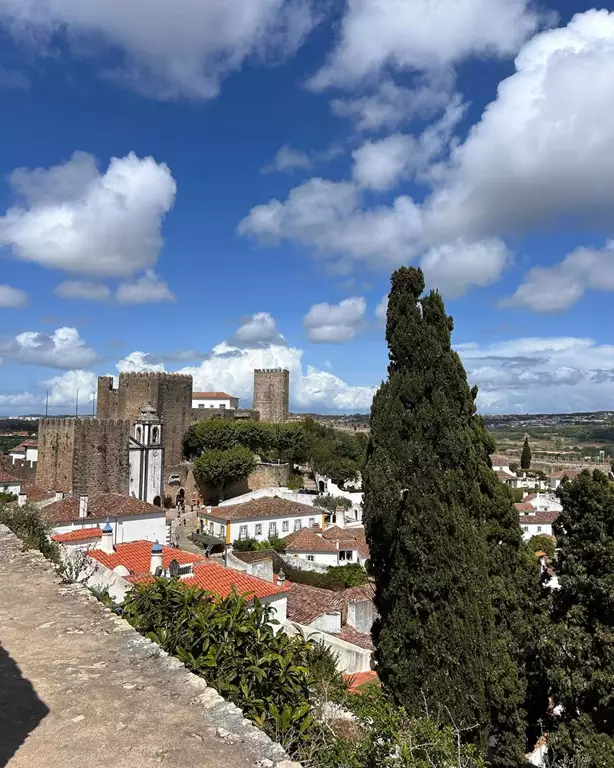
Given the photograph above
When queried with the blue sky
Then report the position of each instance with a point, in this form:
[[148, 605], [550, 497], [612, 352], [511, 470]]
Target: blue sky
[[213, 187]]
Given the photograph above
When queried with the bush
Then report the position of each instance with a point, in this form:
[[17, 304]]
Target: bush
[[233, 647], [7, 498], [295, 483], [27, 523], [330, 503], [543, 543], [251, 545]]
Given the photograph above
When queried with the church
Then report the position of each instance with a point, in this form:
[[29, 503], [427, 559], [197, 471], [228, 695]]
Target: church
[[146, 454]]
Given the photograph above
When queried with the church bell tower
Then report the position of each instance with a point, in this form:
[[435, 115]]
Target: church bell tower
[[147, 457]]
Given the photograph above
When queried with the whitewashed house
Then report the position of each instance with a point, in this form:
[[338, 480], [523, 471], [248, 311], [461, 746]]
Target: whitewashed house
[[25, 453], [9, 484], [130, 519], [260, 519], [331, 547], [221, 400], [534, 523]]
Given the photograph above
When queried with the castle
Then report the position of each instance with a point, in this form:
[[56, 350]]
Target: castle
[[116, 451]]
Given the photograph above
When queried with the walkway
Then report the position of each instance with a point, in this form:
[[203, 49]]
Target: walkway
[[79, 687]]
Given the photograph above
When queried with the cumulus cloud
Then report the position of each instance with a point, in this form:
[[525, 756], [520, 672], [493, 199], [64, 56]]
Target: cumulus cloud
[[382, 164], [554, 289], [169, 50], [147, 289], [391, 105], [62, 349], [335, 323], [73, 217], [542, 152], [12, 297], [422, 35], [287, 160], [136, 362], [548, 375], [79, 289], [381, 310], [258, 329], [64, 389], [454, 268]]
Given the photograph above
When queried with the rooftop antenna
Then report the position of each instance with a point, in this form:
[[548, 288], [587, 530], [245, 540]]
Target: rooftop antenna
[[77, 404]]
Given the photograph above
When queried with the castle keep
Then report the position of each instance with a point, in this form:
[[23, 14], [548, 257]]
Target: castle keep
[[272, 394]]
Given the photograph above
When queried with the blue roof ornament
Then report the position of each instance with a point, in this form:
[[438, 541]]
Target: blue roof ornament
[[157, 548], [107, 527]]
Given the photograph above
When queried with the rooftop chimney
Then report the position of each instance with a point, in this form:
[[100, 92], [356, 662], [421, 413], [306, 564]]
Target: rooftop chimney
[[82, 506], [156, 558], [281, 577], [58, 496], [22, 499], [106, 543]]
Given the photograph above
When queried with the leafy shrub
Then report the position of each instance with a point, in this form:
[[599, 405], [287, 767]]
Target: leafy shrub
[[252, 545], [295, 483], [27, 523], [7, 498], [544, 544], [330, 503], [233, 647]]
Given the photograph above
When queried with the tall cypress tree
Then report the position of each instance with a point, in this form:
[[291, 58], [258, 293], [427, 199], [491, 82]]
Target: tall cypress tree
[[457, 591], [525, 456], [581, 642], [434, 635]]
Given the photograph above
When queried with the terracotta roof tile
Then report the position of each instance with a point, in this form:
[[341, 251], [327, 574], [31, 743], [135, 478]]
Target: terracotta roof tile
[[539, 517], [497, 460], [5, 477], [35, 493], [524, 506], [136, 557], [100, 506], [360, 678], [81, 535], [306, 603], [306, 540], [357, 594], [212, 396], [349, 538], [270, 506], [571, 474], [351, 635], [334, 532]]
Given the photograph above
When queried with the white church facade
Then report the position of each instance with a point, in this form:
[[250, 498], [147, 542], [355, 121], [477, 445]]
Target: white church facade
[[147, 458]]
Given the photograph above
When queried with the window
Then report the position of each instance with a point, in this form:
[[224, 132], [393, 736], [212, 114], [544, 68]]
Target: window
[[138, 434], [258, 529], [297, 525], [311, 558], [539, 529], [201, 405], [222, 406], [242, 532], [154, 439], [312, 522], [349, 555], [526, 527], [285, 526], [211, 527], [222, 531], [341, 556], [272, 530]]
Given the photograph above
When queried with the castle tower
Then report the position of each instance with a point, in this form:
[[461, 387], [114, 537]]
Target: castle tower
[[147, 457], [272, 394]]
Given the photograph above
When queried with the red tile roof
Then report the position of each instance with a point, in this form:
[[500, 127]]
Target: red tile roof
[[306, 540], [5, 477], [269, 506], [136, 557], [351, 635], [306, 603], [349, 538], [497, 460], [571, 474], [334, 532], [538, 517], [34, 493], [81, 535], [212, 396], [24, 445], [100, 506], [360, 678], [524, 506]]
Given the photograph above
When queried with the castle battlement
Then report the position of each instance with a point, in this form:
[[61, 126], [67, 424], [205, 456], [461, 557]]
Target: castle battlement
[[153, 375], [271, 370]]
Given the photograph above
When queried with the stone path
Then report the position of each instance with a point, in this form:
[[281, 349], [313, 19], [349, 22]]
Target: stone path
[[79, 687]]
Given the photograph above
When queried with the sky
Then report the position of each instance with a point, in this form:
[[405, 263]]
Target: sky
[[213, 187]]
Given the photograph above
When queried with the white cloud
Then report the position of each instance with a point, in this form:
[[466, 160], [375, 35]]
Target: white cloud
[[327, 216], [335, 323], [169, 50], [74, 218], [78, 289], [147, 289], [542, 151], [63, 349], [137, 362], [288, 159], [382, 164], [548, 375], [422, 35], [391, 105], [381, 310], [554, 289], [260, 328], [64, 389], [12, 297], [454, 268]]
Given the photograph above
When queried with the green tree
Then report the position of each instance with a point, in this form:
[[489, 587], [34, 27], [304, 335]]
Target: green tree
[[434, 637], [223, 468], [542, 543], [525, 457], [580, 646]]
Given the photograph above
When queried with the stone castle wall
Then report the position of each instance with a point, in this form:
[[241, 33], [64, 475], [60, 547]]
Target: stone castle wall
[[206, 414], [272, 394], [107, 400], [100, 461], [56, 438]]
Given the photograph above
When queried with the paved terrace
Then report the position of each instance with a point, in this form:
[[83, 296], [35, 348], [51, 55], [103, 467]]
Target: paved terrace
[[78, 686]]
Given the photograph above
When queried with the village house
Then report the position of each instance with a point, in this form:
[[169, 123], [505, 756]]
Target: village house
[[556, 478], [260, 519], [220, 400], [117, 567], [25, 453], [9, 484], [535, 523], [130, 518]]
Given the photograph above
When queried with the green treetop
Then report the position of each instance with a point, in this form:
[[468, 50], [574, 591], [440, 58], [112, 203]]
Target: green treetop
[[525, 457]]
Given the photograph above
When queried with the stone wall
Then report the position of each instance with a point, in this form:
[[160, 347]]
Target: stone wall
[[264, 476], [269, 476], [272, 394], [107, 405], [206, 414], [100, 461], [54, 470]]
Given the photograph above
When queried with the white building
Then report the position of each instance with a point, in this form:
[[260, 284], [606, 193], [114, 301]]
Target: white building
[[221, 400], [9, 484], [331, 547], [543, 502], [130, 519], [534, 523], [260, 519], [26, 453], [147, 458], [556, 478]]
